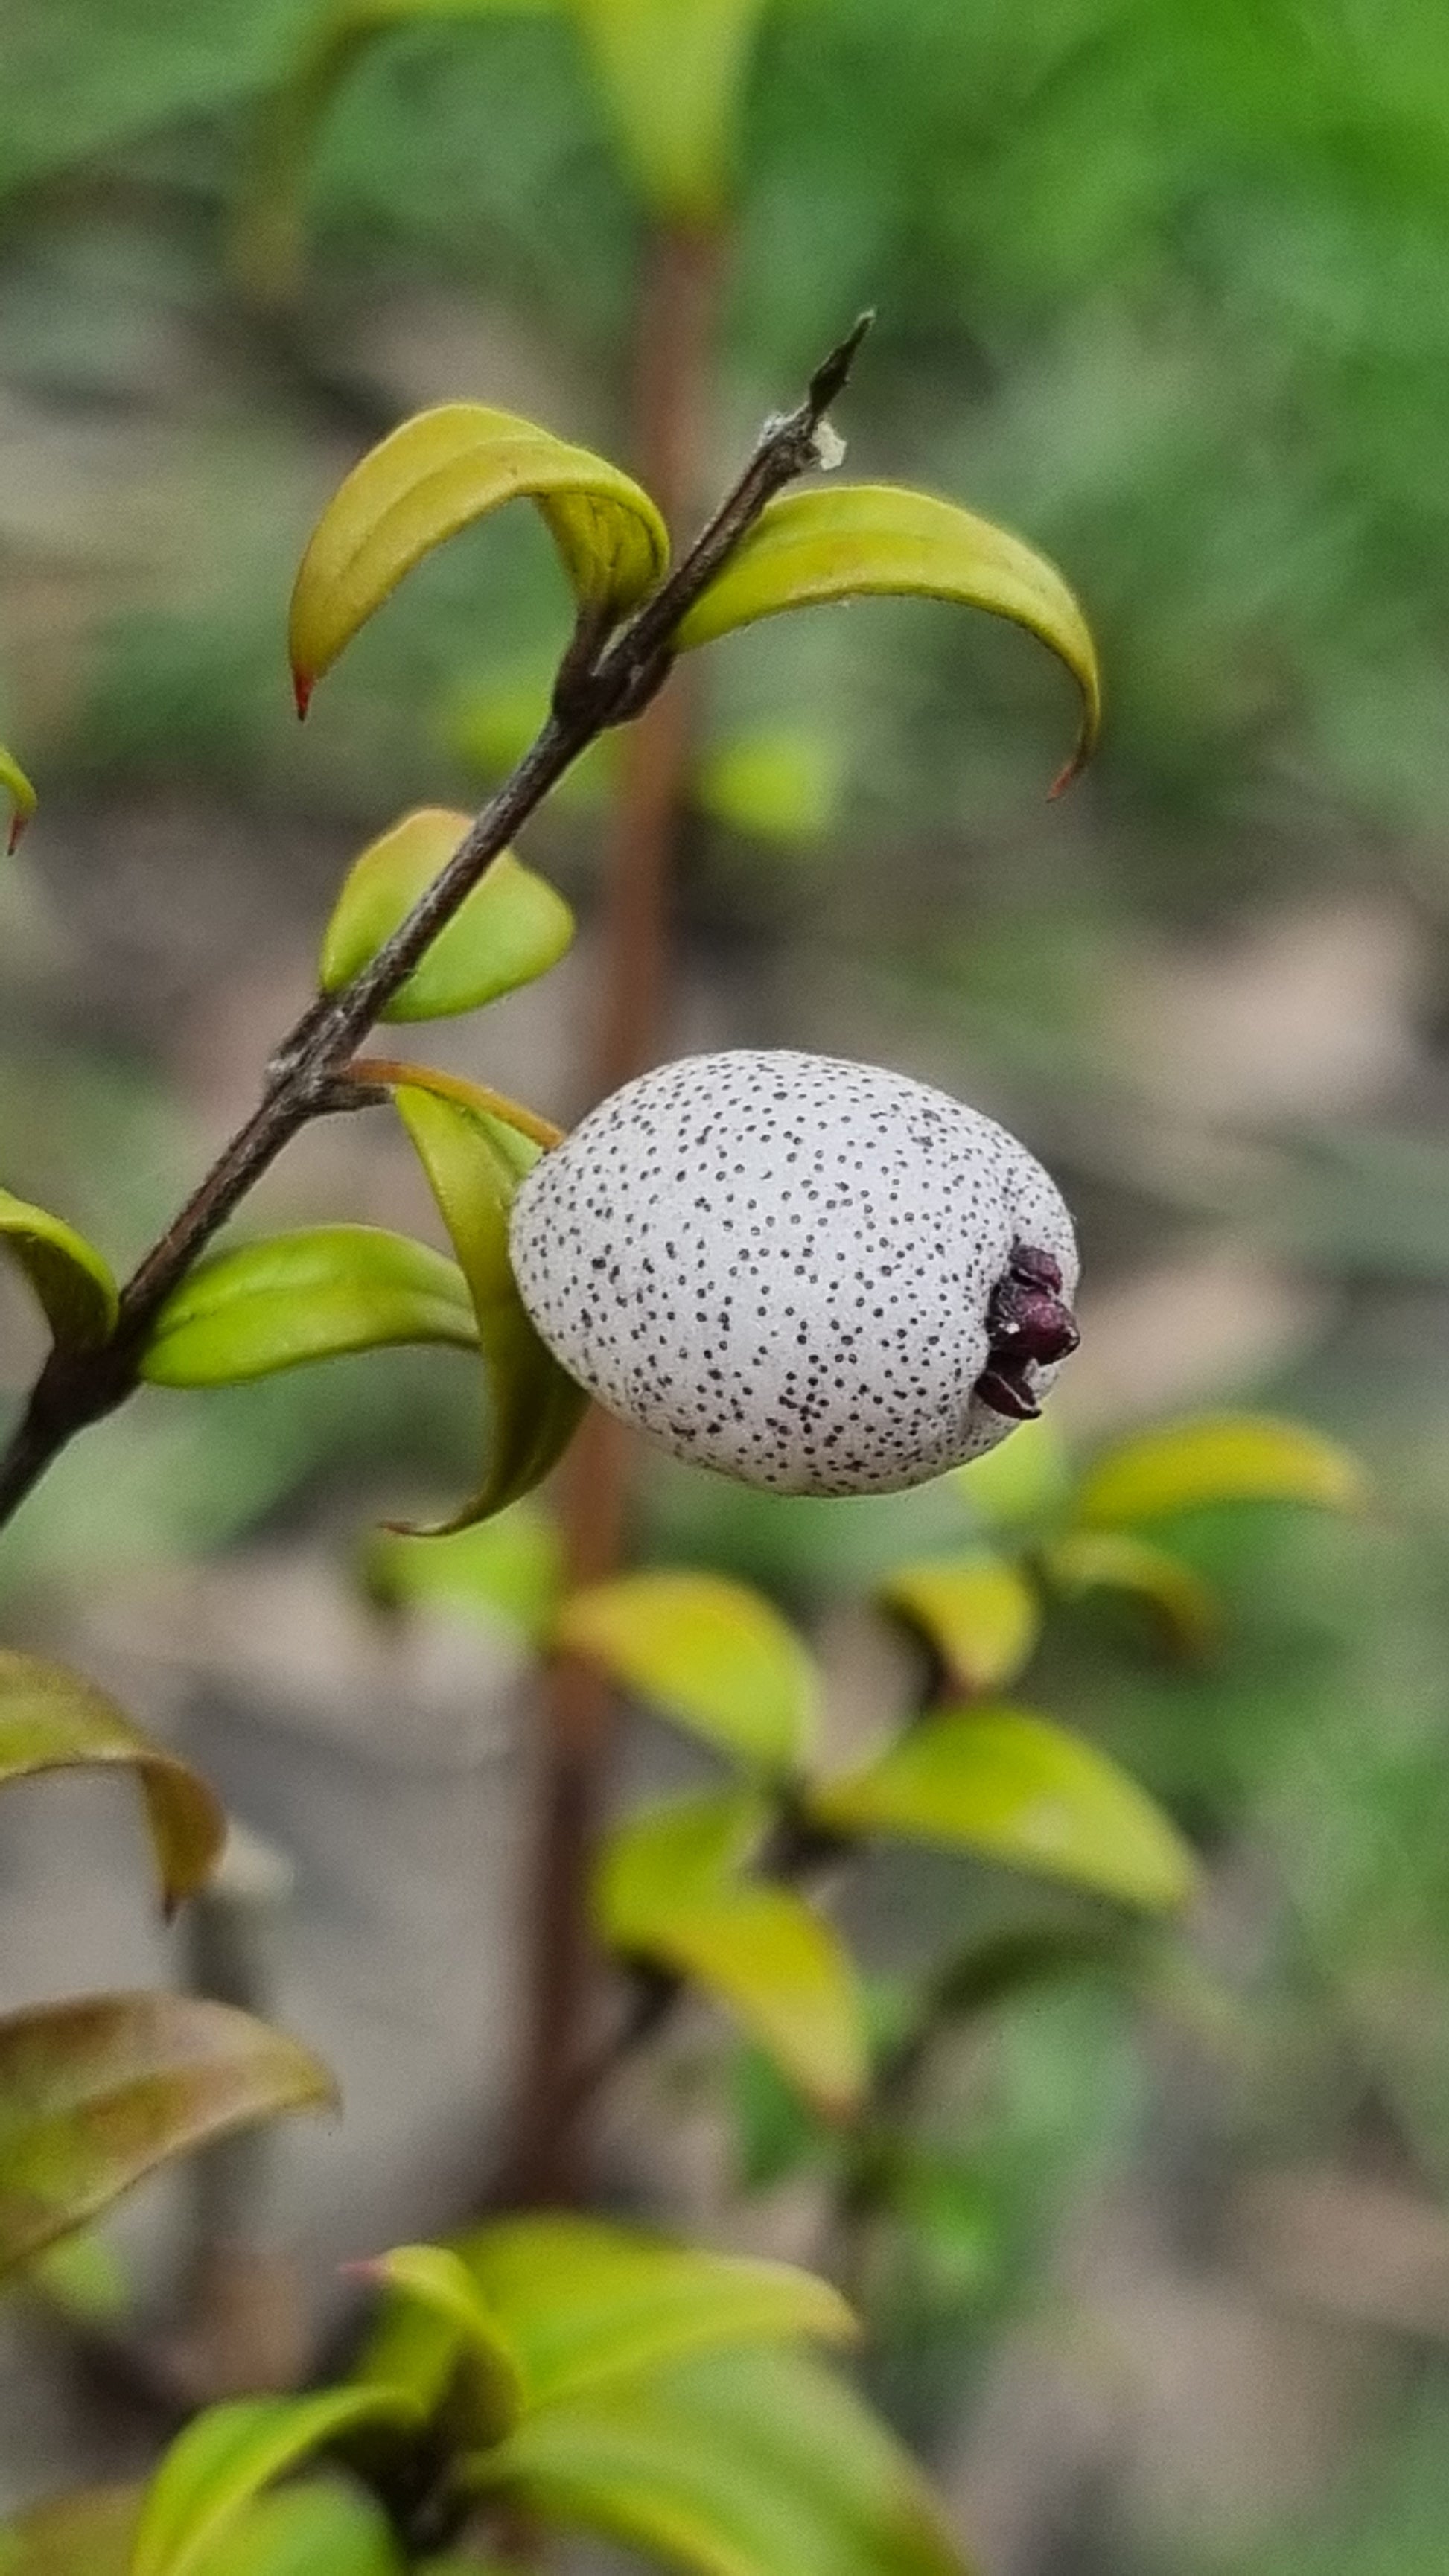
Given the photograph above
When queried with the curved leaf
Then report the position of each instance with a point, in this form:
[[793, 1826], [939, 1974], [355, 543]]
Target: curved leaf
[[267, 227], [440, 472], [743, 2463], [313, 2529], [318, 2528], [436, 2279], [72, 1281], [1182, 1605], [96, 2093], [1218, 1458], [15, 785], [512, 927], [841, 541], [305, 1296], [584, 2302], [215, 2469], [474, 1163], [979, 1613], [665, 1893], [673, 81], [1018, 1790], [710, 1654], [51, 1720]]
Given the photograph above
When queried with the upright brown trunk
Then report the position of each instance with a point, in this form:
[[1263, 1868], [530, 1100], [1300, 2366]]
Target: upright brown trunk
[[671, 375]]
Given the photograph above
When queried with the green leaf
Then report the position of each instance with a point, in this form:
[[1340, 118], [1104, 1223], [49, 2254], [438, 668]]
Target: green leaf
[[1180, 1603], [315, 2529], [665, 1893], [710, 1654], [71, 1280], [51, 1720], [843, 541], [979, 1613], [1218, 1458], [440, 472], [15, 785], [95, 2093], [776, 783], [512, 927], [508, 1569], [91, 2533], [82, 2277], [305, 1296], [743, 2463], [584, 2303], [672, 74], [219, 2465], [775, 2135], [1019, 1790], [1025, 1479], [439, 2281], [474, 1163], [266, 246]]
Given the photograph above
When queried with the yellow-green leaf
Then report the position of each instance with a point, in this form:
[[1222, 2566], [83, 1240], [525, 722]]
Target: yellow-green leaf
[[305, 1296], [1019, 1790], [16, 786], [979, 1613], [313, 2529], [1176, 1597], [96, 2093], [436, 2279], [440, 472], [266, 249], [72, 1282], [666, 1893], [1024, 1480], [672, 74], [474, 1163], [216, 2468], [509, 1569], [842, 541], [584, 2302], [317, 2528], [1218, 1458], [51, 1720], [741, 2463], [511, 928], [710, 1654], [82, 2277]]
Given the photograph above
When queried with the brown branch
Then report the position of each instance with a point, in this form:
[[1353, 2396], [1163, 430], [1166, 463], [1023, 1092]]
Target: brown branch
[[600, 685]]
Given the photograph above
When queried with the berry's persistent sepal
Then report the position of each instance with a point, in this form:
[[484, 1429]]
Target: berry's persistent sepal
[[815, 1276]]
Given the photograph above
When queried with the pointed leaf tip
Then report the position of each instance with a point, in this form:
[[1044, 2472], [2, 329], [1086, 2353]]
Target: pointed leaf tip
[[15, 784], [303, 685]]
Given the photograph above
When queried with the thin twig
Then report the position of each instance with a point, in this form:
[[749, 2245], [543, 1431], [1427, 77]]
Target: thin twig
[[597, 688]]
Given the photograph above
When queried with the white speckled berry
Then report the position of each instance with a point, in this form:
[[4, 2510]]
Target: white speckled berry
[[780, 1265]]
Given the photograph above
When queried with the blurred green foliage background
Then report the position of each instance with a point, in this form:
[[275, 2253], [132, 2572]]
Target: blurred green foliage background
[[1167, 289]]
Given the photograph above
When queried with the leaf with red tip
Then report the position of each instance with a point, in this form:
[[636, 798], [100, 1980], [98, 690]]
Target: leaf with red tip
[[443, 471], [96, 2093], [15, 785], [51, 1720], [845, 541], [510, 929]]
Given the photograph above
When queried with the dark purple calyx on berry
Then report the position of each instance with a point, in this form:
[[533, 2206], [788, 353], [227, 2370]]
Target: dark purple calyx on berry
[[1027, 1321]]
